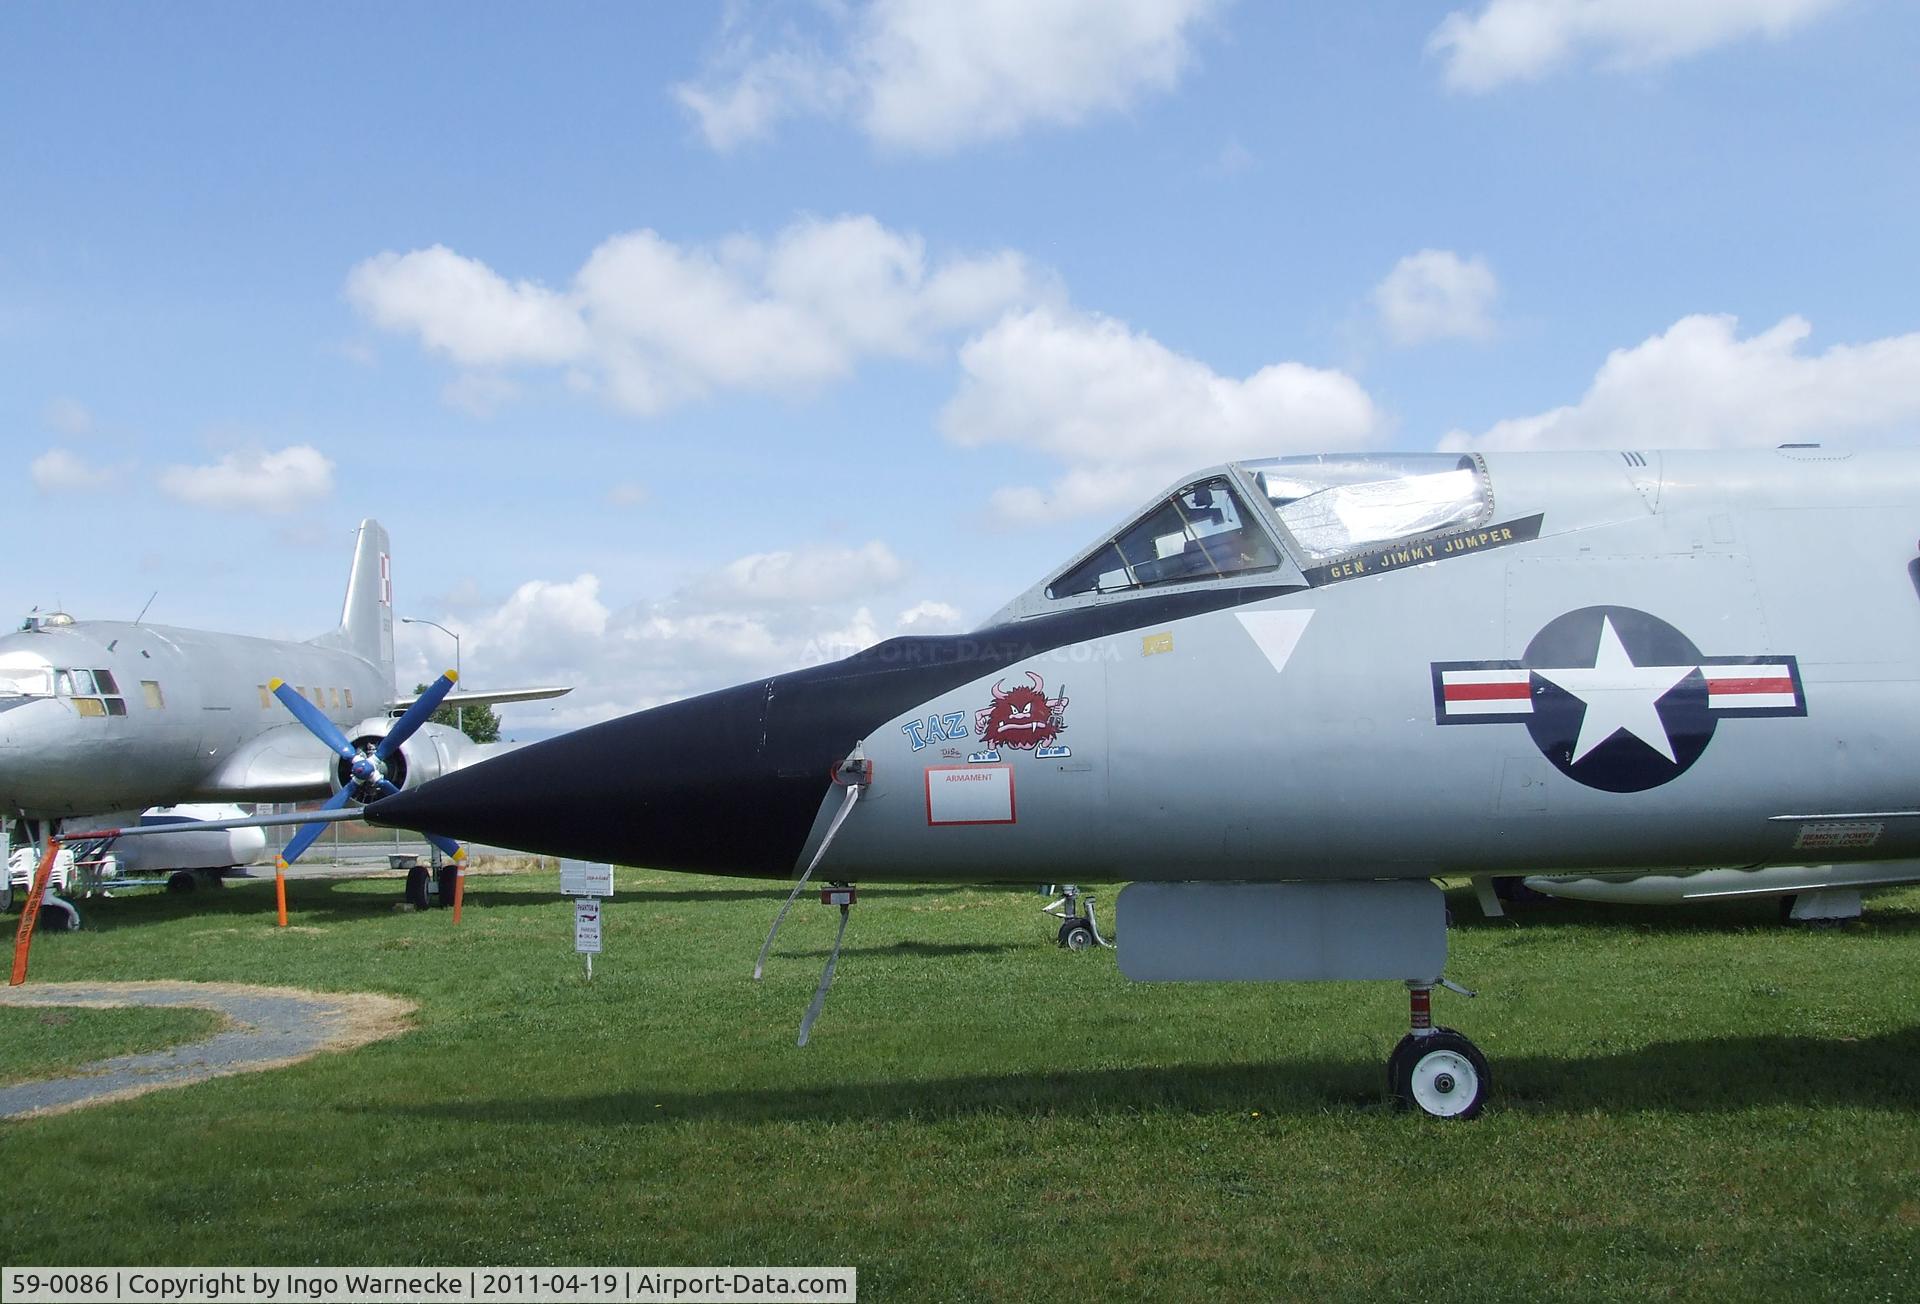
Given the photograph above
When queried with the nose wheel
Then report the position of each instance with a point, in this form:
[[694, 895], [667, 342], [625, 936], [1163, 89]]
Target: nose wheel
[[1436, 1070], [1079, 929]]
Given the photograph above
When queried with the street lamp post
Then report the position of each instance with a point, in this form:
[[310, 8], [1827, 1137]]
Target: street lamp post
[[459, 712]]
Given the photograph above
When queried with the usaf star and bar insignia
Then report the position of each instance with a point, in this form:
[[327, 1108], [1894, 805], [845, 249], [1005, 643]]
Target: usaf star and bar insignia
[[1615, 698]]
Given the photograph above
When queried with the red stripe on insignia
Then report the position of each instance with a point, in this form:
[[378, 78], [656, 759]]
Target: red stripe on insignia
[[1488, 692], [1720, 686]]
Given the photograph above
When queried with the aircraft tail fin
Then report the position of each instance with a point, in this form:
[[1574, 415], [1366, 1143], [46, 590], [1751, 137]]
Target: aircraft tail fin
[[366, 617]]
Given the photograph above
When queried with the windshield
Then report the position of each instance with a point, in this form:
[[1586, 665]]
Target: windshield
[[1338, 504], [1200, 533]]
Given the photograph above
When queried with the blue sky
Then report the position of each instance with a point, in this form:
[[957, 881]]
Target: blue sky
[[676, 344]]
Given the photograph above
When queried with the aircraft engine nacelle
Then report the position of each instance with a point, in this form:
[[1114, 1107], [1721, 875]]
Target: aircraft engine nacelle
[[433, 751]]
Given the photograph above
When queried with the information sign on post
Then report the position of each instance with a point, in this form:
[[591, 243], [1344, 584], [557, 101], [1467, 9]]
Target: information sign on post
[[578, 878], [586, 926]]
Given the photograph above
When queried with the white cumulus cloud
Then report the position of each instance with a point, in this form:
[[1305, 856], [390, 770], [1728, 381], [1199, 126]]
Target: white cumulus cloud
[[651, 323], [808, 575], [755, 615], [1524, 40], [294, 477], [461, 307], [928, 75], [1436, 294], [59, 471], [1699, 385], [1124, 413], [69, 417]]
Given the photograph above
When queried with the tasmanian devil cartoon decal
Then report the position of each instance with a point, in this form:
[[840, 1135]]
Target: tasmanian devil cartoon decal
[[1023, 717]]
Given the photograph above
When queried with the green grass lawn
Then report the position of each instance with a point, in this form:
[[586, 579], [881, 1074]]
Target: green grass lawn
[[39, 1043], [1688, 1104]]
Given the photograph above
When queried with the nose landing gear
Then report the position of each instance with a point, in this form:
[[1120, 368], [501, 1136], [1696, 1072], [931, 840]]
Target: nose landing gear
[[1079, 929], [1436, 1070]]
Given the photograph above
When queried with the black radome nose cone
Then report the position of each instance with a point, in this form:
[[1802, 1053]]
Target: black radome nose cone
[[693, 785]]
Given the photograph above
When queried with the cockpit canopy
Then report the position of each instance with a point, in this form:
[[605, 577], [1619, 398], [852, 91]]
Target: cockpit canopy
[[1253, 517], [1334, 504], [1202, 532]]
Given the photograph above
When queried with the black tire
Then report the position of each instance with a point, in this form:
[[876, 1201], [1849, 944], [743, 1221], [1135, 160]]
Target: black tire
[[1396, 1067], [445, 880], [1442, 1075], [1075, 935], [56, 917], [417, 879], [182, 881]]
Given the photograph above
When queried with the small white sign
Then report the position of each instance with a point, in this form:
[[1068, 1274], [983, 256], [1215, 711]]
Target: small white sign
[[577, 878], [970, 794], [1839, 835], [586, 926]]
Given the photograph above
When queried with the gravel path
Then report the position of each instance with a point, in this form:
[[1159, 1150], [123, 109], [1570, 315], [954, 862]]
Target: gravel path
[[267, 1028]]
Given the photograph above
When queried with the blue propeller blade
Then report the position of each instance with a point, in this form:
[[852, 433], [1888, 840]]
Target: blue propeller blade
[[310, 715], [303, 836], [329, 733], [447, 845], [416, 715]]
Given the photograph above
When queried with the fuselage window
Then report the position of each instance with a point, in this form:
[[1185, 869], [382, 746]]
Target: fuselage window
[[1200, 533], [333, 698], [266, 698], [104, 678], [155, 698], [348, 694]]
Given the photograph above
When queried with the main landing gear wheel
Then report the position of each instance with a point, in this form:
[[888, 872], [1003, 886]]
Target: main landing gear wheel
[[1441, 1074], [417, 880], [57, 915], [1076, 935], [444, 878], [182, 881]]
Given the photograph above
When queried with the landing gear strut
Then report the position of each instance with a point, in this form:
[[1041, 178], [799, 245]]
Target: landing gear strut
[[1078, 929], [1436, 1070]]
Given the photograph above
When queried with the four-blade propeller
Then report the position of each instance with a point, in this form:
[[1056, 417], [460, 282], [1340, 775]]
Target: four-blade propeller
[[367, 767]]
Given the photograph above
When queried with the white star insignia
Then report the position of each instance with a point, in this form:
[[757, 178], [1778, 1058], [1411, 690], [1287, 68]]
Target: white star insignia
[[1618, 695]]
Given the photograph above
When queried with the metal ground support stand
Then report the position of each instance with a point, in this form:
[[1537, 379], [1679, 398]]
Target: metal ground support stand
[[852, 776], [1078, 930], [1436, 1070], [842, 895]]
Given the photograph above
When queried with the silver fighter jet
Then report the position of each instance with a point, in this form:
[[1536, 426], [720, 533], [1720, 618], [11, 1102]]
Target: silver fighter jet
[[1287, 694]]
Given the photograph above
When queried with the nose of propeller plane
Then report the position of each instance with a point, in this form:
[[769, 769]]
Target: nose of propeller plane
[[710, 784]]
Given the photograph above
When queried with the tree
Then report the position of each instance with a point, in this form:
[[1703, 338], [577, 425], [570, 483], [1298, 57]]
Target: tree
[[479, 722]]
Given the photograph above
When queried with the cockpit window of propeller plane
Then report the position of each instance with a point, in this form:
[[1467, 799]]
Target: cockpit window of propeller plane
[[1202, 532]]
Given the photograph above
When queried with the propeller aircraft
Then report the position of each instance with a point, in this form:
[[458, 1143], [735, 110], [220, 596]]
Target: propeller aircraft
[[98, 717], [1290, 693]]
